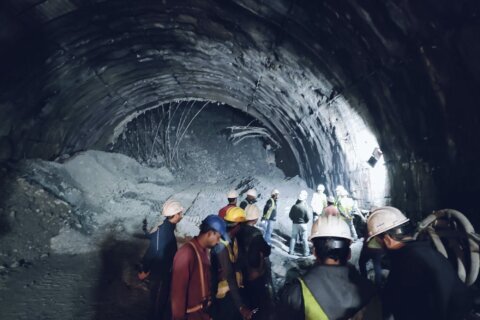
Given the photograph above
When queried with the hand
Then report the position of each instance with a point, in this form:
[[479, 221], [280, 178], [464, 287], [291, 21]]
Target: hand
[[246, 313]]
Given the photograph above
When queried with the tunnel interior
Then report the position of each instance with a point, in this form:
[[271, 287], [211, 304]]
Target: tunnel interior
[[108, 108]]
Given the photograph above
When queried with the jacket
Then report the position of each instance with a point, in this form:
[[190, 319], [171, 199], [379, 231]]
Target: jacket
[[425, 281], [319, 201], [299, 213], [270, 210], [246, 202], [158, 258], [252, 247], [330, 210], [186, 291], [339, 291]]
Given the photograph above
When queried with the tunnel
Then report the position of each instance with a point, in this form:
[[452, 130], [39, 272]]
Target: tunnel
[[192, 98]]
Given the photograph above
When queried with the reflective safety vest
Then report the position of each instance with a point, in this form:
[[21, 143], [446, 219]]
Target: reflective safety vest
[[313, 311], [223, 287], [345, 206]]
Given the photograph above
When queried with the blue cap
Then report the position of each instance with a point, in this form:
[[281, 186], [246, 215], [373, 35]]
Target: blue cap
[[216, 223]]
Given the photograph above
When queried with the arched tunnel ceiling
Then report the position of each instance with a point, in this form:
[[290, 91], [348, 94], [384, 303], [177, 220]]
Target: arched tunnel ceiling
[[309, 71]]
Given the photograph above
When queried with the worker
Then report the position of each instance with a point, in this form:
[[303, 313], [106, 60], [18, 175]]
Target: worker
[[332, 288], [258, 285], [373, 250], [330, 209], [345, 205], [299, 216], [250, 199], [191, 273], [422, 283], [232, 196], [270, 215], [158, 259], [227, 266], [319, 201]]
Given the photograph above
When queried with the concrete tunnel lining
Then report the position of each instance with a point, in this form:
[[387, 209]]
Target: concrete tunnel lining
[[255, 70]]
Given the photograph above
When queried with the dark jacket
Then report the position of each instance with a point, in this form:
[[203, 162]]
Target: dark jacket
[[246, 202], [270, 210], [422, 284], [299, 213], [158, 258], [339, 290], [251, 243]]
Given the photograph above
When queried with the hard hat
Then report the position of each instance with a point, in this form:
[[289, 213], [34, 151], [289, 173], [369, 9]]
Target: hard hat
[[235, 214], [252, 212], [331, 199], [339, 188], [331, 227], [383, 219], [303, 195], [275, 191], [321, 187], [252, 192], [171, 207], [216, 223], [232, 194]]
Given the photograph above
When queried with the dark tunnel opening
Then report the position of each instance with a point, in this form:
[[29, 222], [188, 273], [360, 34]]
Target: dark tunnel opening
[[109, 108]]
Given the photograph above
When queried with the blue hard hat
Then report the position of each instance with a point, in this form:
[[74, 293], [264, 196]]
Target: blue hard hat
[[217, 224]]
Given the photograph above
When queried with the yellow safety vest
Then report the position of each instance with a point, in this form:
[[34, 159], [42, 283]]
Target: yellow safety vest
[[223, 287], [313, 311]]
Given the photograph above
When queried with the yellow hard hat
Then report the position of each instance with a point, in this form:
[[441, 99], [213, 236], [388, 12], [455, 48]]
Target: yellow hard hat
[[235, 214]]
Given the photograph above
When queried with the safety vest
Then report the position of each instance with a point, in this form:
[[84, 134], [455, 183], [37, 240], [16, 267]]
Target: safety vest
[[270, 210], [345, 206], [223, 287], [313, 311]]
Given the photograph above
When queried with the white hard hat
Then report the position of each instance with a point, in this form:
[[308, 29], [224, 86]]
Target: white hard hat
[[383, 219], [171, 208], [329, 227], [252, 212], [303, 195], [320, 187], [252, 192], [275, 191], [331, 199], [339, 188], [232, 194]]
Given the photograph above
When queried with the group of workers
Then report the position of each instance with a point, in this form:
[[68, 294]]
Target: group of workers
[[224, 272]]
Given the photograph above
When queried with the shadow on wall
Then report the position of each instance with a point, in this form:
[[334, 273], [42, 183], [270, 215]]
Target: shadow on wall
[[119, 294]]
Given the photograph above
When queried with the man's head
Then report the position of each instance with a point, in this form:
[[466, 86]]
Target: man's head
[[391, 226], [331, 239], [320, 188], [251, 194], [232, 196], [211, 229], [303, 195], [173, 210], [234, 216], [275, 194]]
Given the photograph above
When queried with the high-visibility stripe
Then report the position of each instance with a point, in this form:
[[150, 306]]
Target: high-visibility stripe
[[313, 311]]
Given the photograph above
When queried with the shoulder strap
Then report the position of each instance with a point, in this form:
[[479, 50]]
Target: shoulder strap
[[313, 310], [200, 267]]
